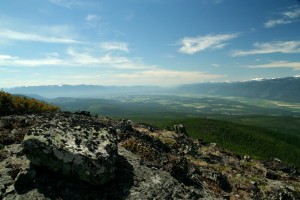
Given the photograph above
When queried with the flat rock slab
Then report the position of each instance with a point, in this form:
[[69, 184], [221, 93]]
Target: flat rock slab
[[74, 145]]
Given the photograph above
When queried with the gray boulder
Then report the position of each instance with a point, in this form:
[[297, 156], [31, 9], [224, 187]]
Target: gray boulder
[[74, 145]]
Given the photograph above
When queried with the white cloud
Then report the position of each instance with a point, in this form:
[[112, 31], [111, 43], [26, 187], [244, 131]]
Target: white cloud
[[8, 34], [275, 22], [7, 60], [115, 46], [192, 45], [91, 17], [271, 47], [292, 14], [78, 59], [6, 57], [286, 17], [92, 20], [106, 60], [215, 65], [279, 64]]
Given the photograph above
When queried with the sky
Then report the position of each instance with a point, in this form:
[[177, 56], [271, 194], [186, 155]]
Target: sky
[[147, 42]]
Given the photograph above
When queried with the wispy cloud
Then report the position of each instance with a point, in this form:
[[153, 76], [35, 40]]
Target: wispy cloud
[[275, 22], [271, 47], [279, 64], [91, 17], [106, 60], [66, 3], [8, 60], [290, 16], [114, 46], [215, 65], [293, 14], [92, 20], [8, 34], [192, 45], [78, 59], [6, 57], [112, 71]]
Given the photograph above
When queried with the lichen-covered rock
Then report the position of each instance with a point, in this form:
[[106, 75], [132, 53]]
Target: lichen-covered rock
[[14, 127], [209, 168], [74, 145]]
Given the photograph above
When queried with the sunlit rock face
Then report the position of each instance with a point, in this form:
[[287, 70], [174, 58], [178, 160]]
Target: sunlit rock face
[[74, 145]]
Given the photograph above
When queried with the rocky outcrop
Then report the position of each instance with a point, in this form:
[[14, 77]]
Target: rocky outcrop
[[148, 163], [14, 127], [74, 145], [205, 166]]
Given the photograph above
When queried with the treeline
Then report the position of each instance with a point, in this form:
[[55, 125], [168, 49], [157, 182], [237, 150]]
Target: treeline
[[258, 142], [10, 104], [261, 143]]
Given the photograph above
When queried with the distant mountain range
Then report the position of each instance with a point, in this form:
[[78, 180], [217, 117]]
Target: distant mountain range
[[82, 91], [281, 89]]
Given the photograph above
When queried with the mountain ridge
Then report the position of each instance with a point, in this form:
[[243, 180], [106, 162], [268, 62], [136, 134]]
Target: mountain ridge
[[279, 89]]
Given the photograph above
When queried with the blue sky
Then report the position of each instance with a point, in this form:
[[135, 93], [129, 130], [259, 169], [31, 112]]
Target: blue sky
[[147, 42]]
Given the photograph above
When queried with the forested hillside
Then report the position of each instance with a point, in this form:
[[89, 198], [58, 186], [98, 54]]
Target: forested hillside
[[10, 104], [258, 142]]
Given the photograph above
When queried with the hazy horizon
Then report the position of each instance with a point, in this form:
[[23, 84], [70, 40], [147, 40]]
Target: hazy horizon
[[153, 85]]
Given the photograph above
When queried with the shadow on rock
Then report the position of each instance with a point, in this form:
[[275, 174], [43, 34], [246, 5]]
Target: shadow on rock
[[57, 186]]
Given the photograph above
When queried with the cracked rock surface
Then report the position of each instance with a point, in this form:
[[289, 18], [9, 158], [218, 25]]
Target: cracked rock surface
[[73, 145]]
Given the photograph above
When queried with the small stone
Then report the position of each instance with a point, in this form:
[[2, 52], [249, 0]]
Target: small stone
[[10, 189], [58, 154], [14, 131], [272, 175]]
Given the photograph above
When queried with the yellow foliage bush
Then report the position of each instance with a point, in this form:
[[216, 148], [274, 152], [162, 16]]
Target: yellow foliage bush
[[10, 104]]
